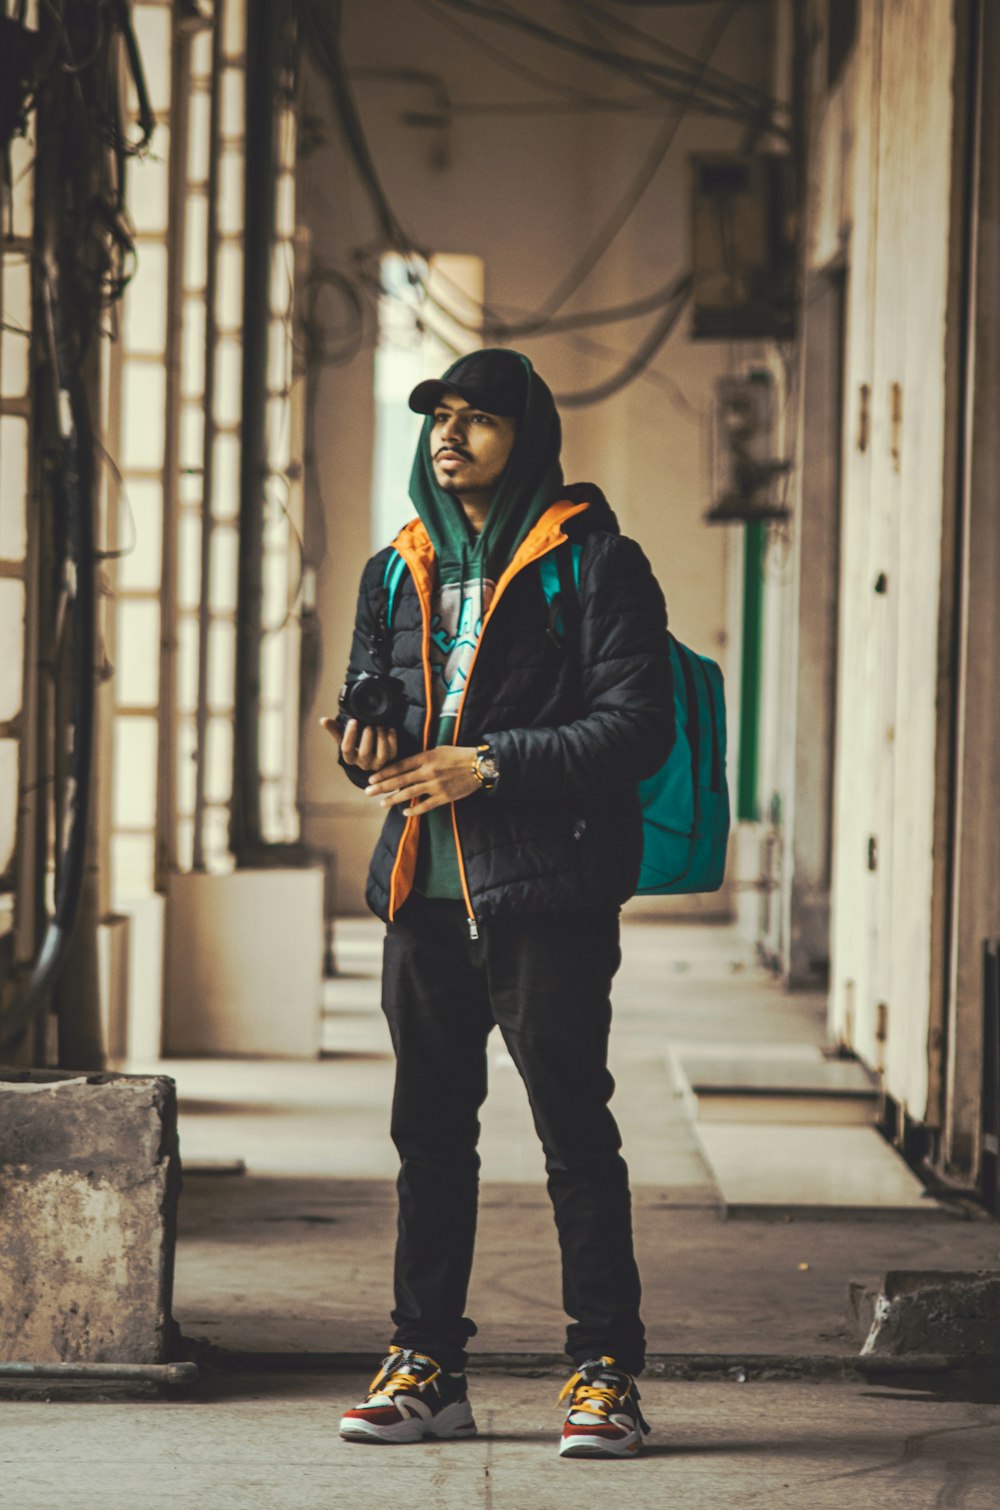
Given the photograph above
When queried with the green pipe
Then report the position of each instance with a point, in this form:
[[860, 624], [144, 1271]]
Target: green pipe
[[754, 546]]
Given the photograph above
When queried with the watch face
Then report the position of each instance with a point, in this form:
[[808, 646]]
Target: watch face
[[488, 766]]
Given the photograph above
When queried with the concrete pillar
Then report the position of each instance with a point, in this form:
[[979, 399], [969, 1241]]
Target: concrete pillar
[[809, 801]]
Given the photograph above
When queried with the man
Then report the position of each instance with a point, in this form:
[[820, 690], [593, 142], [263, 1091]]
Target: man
[[512, 836]]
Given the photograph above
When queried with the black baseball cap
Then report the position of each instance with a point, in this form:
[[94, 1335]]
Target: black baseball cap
[[495, 381]]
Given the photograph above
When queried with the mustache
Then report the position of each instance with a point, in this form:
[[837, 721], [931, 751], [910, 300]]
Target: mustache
[[455, 450]]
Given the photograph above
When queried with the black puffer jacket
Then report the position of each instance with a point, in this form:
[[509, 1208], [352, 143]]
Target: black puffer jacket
[[574, 726]]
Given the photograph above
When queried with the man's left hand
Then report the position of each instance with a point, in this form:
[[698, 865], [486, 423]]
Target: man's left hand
[[427, 780]]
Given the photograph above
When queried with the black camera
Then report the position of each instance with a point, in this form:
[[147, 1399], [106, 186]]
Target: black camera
[[374, 700]]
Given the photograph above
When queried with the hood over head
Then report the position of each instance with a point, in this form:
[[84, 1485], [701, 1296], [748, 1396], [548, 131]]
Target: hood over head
[[531, 481], [599, 515]]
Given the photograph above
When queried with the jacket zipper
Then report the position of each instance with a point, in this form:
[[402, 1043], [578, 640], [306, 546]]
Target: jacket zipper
[[428, 697], [473, 925], [425, 640]]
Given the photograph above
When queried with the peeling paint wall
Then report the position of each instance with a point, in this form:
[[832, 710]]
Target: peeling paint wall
[[859, 648], [895, 201]]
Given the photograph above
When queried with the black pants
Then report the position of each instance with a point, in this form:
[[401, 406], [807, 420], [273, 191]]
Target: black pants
[[544, 980]]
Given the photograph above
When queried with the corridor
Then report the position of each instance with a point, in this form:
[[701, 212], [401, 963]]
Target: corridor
[[283, 1279]]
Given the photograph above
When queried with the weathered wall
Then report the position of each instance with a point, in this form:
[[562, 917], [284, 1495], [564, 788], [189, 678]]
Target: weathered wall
[[896, 217], [526, 193], [859, 600]]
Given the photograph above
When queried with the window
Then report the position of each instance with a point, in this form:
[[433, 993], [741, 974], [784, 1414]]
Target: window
[[425, 315]]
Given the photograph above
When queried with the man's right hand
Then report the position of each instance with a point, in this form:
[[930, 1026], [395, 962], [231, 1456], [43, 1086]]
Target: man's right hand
[[368, 748]]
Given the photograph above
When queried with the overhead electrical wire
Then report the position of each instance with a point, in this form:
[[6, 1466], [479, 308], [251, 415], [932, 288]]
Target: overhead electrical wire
[[323, 27], [593, 254], [755, 97], [443, 108], [676, 396], [603, 34], [638, 362], [438, 9], [666, 80], [322, 22], [605, 58], [633, 196], [548, 107], [616, 314], [323, 345], [492, 326]]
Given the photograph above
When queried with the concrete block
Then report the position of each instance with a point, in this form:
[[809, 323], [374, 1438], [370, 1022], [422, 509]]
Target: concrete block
[[89, 1180], [936, 1311]]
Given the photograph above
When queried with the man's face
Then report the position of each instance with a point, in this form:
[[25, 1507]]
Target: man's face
[[469, 447]]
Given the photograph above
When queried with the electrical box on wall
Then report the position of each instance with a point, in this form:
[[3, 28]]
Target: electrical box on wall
[[746, 470], [743, 247]]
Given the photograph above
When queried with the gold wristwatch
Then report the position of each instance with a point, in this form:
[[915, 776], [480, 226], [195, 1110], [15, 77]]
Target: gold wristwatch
[[485, 768]]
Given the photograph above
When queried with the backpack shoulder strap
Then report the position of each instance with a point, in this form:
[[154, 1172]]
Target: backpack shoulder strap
[[560, 574], [395, 568], [568, 567]]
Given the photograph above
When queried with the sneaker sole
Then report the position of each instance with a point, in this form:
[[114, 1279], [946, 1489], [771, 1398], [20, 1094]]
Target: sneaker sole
[[453, 1421], [599, 1447]]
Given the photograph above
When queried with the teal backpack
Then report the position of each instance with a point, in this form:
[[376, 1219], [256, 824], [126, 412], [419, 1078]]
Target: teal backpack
[[685, 805]]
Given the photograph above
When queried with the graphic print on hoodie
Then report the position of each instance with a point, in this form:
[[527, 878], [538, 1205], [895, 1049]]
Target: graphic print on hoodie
[[468, 568], [456, 624]]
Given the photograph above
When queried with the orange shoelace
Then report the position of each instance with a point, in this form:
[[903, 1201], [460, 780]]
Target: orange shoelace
[[598, 1399], [399, 1379]]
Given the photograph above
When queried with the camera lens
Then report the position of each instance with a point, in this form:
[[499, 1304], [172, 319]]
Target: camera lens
[[370, 700]]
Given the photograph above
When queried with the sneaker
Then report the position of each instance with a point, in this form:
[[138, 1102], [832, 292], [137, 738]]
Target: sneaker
[[410, 1398], [604, 1419]]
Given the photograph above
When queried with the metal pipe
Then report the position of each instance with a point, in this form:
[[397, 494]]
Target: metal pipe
[[264, 49], [166, 771], [153, 1373], [73, 486], [33, 810], [208, 450]]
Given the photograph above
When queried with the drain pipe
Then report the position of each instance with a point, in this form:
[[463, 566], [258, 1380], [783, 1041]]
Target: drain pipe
[[265, 41]]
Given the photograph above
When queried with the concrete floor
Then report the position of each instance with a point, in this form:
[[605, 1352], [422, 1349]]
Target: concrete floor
[[290, 1263], [272, 1264], [271, 1444], [296, 1254]]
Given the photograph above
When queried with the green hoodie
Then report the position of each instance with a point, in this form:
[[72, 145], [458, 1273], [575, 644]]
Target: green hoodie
[[468, 567]]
